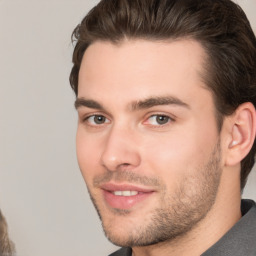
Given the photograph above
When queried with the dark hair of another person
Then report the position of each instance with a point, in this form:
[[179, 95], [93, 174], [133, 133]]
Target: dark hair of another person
[[220, 26]]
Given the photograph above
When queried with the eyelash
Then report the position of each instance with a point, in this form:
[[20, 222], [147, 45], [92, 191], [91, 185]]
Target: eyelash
[[168, 121], [86, 119], [95, 125]]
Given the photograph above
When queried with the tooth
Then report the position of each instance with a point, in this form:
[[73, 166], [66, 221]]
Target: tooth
[[125, 193], [117, 193]]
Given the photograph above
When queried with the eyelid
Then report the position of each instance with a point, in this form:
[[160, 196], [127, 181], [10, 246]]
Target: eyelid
[[84, 118], [87, 118], [171, 119]]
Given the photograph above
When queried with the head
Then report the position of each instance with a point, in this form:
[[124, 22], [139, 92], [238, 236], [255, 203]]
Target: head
[[219, 37], [220, 26]]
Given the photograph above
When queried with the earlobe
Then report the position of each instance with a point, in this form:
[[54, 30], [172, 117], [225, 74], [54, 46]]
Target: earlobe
[[242, 133]]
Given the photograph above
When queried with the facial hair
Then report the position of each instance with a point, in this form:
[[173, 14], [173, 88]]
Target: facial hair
[[176, 214]]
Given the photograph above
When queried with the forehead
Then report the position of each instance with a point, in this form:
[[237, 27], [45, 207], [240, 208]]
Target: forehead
[[141, 68]]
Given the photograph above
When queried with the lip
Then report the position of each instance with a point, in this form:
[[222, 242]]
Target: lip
[[124, 202], [122, 187]]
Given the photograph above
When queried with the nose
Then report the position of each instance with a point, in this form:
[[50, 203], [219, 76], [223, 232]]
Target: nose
[[120, 150]]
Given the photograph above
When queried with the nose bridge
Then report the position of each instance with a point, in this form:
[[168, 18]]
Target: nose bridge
[[120, 148]]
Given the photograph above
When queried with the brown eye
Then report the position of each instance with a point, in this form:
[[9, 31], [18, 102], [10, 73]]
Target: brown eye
[[99, 119], [158, 120], [162, 119]]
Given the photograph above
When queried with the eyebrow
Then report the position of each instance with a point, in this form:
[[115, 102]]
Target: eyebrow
[[157, 101], [81, 102], [136, 105]]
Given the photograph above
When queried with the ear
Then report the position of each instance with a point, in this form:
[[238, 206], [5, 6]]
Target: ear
[[242, 131]]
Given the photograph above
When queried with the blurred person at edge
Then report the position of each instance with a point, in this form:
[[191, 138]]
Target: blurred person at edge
[[6, 245], [166, 95]]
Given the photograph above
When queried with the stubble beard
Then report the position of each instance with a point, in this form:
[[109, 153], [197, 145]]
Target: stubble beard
[[178, 213]]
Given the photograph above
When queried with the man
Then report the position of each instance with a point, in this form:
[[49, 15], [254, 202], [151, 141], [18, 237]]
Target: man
[[166, 96]]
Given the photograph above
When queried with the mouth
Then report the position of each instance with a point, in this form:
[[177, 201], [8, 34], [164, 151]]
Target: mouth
[[124, 196]]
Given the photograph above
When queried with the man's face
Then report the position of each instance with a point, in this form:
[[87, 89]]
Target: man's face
[[147, 139]]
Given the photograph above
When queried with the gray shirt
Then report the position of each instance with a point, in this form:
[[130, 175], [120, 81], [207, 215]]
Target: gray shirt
[[240, 240]]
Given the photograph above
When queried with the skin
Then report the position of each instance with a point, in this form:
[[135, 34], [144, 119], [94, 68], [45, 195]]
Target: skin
[[146, 119]]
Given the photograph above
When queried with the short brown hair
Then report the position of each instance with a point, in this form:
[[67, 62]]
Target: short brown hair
[[219, 25]]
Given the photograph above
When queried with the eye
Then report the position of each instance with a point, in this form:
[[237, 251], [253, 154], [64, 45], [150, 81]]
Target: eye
[[158, 120], [97, 120]]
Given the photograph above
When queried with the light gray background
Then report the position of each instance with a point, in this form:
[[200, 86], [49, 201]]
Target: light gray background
[[42, 192]]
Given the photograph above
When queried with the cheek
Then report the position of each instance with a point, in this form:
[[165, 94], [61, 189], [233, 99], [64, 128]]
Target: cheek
[[170, 147], [88, 154], [172, 156]]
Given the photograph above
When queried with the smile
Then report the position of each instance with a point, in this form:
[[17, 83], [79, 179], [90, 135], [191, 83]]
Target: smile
[[125, 196]]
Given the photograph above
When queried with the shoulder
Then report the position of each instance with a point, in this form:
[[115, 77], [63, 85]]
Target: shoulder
[[240, 239], [122, 252]]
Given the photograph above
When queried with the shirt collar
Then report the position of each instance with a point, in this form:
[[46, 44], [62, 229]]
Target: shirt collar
[[240, 239]]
